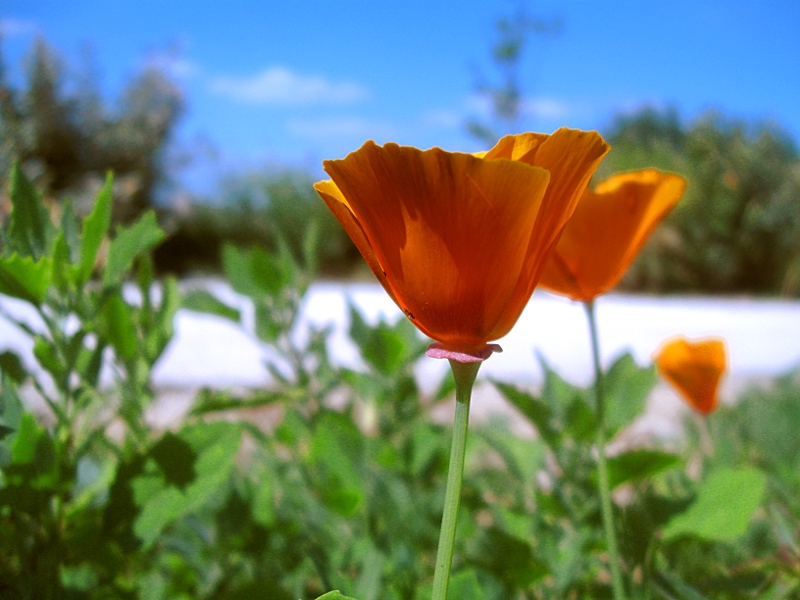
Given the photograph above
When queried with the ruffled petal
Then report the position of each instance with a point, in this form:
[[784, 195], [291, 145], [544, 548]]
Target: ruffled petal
[[450, 231], [571, 156], [340, 208]]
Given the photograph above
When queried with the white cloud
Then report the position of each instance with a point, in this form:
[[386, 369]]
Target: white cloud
[[547, 108], [279, 85], [12, 27]]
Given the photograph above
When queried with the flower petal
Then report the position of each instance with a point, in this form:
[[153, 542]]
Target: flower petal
[[571, 156], [695, 369], [607, 231], [439, 223], [340, 208]]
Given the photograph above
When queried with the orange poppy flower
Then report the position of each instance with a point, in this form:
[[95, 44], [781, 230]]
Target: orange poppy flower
[[607, 231], [459, 240], [694, 369]]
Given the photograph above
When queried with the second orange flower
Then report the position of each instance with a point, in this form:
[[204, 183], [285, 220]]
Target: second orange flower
[[608, 229]]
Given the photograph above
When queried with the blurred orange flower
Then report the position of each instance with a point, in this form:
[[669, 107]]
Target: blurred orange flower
[[459, 240], [695, 369], [607, 231]]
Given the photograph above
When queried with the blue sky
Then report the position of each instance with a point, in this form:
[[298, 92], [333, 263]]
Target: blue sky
[[298, 81]]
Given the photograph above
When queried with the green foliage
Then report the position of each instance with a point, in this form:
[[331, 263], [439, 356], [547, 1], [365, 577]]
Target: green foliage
[[333, 478], [723, 506], [264, 210], [737, 228]]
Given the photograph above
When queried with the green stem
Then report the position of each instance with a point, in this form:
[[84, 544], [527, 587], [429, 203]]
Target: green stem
[[464, 374], [602, 466]]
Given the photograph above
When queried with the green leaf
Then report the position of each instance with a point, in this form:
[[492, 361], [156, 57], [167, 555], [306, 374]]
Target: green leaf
[[46, 354], [118, 326], [95, 229], [129, 243], [215, 446], [175, 459], [205, 302], [30, 231], [426, 444], [334, 595], [639, 464], [626, 387], [464, 585], [161, 323], [337, 449], [61, 271], [387, 348], [11, 365], [723, 507], [255, 272], [534, 409], [25, 278]]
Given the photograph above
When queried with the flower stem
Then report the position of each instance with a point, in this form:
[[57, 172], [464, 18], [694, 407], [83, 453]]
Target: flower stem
[[602, 466], [464, 374]]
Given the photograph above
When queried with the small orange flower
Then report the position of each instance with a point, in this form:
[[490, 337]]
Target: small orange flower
[[695, 369], [607, 231], [459, 240]]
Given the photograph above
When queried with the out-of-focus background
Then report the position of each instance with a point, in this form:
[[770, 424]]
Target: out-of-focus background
[[219, 114]]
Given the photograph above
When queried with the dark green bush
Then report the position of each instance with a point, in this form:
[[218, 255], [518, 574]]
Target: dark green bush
[[737, 229]]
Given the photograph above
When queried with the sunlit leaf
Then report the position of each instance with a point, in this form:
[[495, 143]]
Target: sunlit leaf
[[639, 464], [25, 278], [205, 302], [723, 507], [129, 243], [30, 231]]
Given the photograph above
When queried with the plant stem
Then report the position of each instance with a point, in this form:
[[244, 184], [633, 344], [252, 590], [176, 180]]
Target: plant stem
[[602, 466], [464, 374]]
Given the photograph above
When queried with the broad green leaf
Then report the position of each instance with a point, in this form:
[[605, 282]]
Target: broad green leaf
[[30, 231], [626, 387], [129, 243], [95, 229], [639, 464], [464, 585], [25, 278], [205, 302], [175, 459], [723, 507]]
